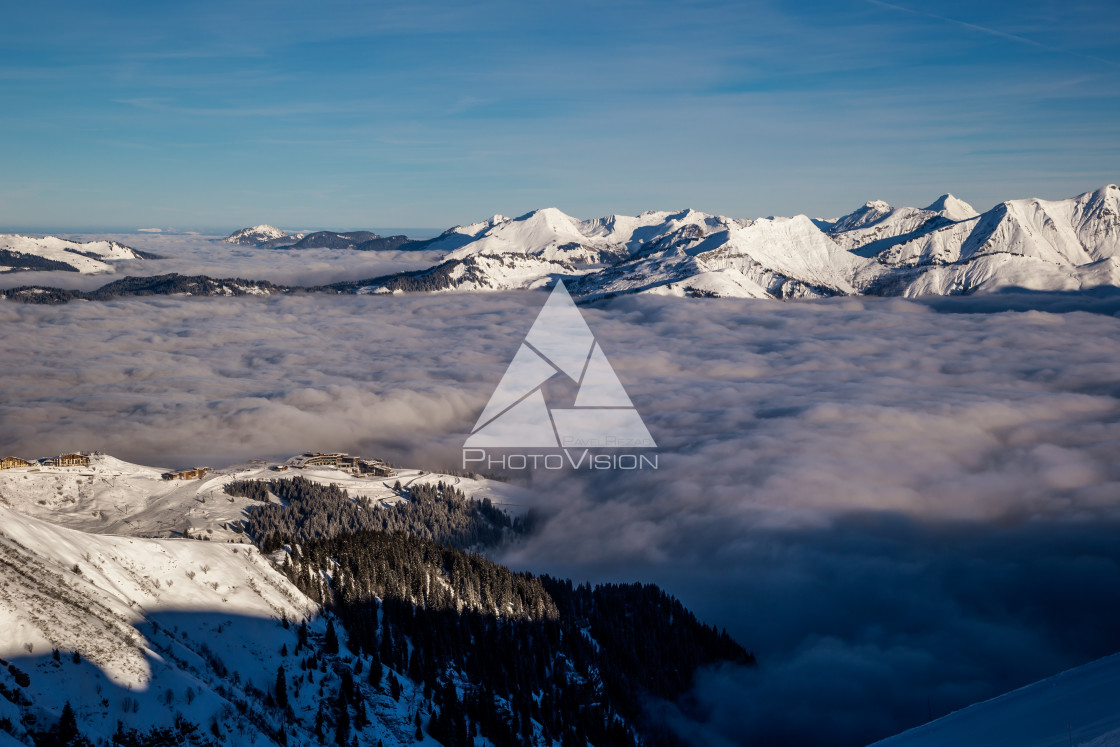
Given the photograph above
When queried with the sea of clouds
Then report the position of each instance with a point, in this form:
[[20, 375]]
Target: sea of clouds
[[900, 509], [193, 254]]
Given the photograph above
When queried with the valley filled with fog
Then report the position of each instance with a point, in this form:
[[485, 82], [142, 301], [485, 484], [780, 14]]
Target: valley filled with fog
[[193, 254], [901, 509]]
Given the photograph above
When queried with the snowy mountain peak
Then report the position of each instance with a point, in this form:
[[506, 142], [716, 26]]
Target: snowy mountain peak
[[1106, 193], [953, 208], [871, 213], [256, 235], [552, 216], [945, 248]]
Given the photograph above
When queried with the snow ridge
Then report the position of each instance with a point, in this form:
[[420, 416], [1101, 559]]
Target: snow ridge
[[943, 248], [19, 253]]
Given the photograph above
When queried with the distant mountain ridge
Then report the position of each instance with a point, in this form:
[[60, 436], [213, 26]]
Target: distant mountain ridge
[[270, 237], [943, 249], [946, 248]]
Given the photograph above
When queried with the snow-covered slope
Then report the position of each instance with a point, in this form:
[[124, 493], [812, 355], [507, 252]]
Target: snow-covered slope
[[1036, 244], [877, 221], [19, 253], [1080, 707], [112, 496], [262, 234], [94, 560], [656, 250], [144, 614], [943, 248]]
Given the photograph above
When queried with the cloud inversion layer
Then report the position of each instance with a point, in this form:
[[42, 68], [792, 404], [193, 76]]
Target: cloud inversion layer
[[901, 511]]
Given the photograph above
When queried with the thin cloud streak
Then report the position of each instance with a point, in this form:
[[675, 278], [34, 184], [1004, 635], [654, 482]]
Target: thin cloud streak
[[994, 32]]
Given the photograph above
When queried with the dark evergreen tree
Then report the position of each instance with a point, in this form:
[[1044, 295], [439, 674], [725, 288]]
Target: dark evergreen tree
[[415, 667], [342, 726], [330, 640], [394, 687], [375, 673], [281, 688], [67, 729]]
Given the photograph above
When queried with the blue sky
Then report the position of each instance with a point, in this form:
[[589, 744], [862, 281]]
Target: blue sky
[[350, 115]]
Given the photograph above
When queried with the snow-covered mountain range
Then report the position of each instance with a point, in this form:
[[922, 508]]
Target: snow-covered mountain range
[[946, 248], [18, 253]]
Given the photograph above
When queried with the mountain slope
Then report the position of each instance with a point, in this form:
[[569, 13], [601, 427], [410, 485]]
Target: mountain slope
[[258, 235], [120, 602], [1075, 707], [344, 633], [1036, 244], [19, 253], [877, 223]]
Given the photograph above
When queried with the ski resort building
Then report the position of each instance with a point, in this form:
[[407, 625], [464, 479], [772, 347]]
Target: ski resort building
[[68, 460], [11, 462], [188, 474], [352, 464]]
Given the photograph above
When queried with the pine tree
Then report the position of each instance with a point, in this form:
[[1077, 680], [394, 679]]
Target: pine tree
[[419, 731], [330, 641], [67, 729], [281, 688], [375, 672], [394, 687], [342, 728]]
